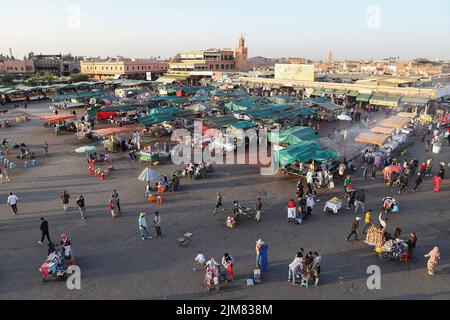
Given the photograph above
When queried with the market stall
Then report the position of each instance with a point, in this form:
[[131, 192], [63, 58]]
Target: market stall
[[60, 123], [304, 152], [111, 142], [372, 138], [383, 130], [294, 135], [395, 122], [407, 115]]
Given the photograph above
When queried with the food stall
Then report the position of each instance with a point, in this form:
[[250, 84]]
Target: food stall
[[297, 158], [383, 130], [328, 111], [395, 122], [372, 138], [146, 154], [111, 142], [60, 122]]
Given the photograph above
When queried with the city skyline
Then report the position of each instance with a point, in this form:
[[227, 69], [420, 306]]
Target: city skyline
[[364, 30]]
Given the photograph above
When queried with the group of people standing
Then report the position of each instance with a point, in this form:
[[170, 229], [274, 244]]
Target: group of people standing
[[143, 226], [305, 266]]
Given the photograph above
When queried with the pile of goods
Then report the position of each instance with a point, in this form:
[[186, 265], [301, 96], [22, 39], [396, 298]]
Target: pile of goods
[[375, 236], [396, 249]]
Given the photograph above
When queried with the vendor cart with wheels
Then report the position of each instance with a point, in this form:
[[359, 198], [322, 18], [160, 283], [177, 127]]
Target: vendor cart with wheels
[[55, 266], [390, 250]]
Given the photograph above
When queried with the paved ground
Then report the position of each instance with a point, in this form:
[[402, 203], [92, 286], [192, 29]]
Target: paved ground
[[117, 264]]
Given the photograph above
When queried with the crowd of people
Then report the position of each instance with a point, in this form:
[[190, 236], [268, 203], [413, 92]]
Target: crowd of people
[[305, 266]]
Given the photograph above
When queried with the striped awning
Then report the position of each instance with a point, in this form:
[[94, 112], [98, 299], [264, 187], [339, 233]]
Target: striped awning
[[353, 94], [387, 101], [363, 98], [415, 100]]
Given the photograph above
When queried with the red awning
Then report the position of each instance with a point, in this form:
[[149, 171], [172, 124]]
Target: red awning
[[112, 131], [60, 118], [105, 115]]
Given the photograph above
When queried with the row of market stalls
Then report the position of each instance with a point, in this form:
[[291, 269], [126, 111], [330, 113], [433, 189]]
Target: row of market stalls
[[71, 91], [365, 99], [21, 93], [388, 136]]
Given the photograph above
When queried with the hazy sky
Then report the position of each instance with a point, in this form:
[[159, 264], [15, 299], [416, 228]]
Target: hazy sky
[[273, 28]]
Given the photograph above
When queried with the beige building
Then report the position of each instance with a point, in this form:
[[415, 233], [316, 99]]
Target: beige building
[[295, 72], [210, 60], [203, 60], [17, 66], [130, 68]]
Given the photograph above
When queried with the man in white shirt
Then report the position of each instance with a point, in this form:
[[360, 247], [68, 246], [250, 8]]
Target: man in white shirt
[[12, 201], [310, 181], [309, 205]]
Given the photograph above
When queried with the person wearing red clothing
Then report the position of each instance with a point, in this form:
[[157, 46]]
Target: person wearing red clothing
[[437, 183], [423, 168], [292, 207]]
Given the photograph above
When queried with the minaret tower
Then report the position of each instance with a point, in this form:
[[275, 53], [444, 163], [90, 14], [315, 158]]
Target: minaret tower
[[330, 58], [241, 56]]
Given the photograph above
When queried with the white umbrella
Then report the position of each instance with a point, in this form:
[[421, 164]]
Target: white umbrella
[[86, 149], [148, 175], [344, 117]]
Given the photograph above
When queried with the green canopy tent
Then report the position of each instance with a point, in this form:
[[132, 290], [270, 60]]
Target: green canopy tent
[[272, 112], [329, 106], [244, 125], [243, 104], [230, 94], [304, 152], [317, 100], [164, 110], [201, 98], [187, 114], [280, 99], [169, 99], [222, 121], [303, 112], [156, 119], [294, 135], [76, 96], [119, 108]]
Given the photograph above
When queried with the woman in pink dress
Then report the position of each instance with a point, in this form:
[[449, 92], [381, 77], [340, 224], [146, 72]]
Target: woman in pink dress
[[437, 184]]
